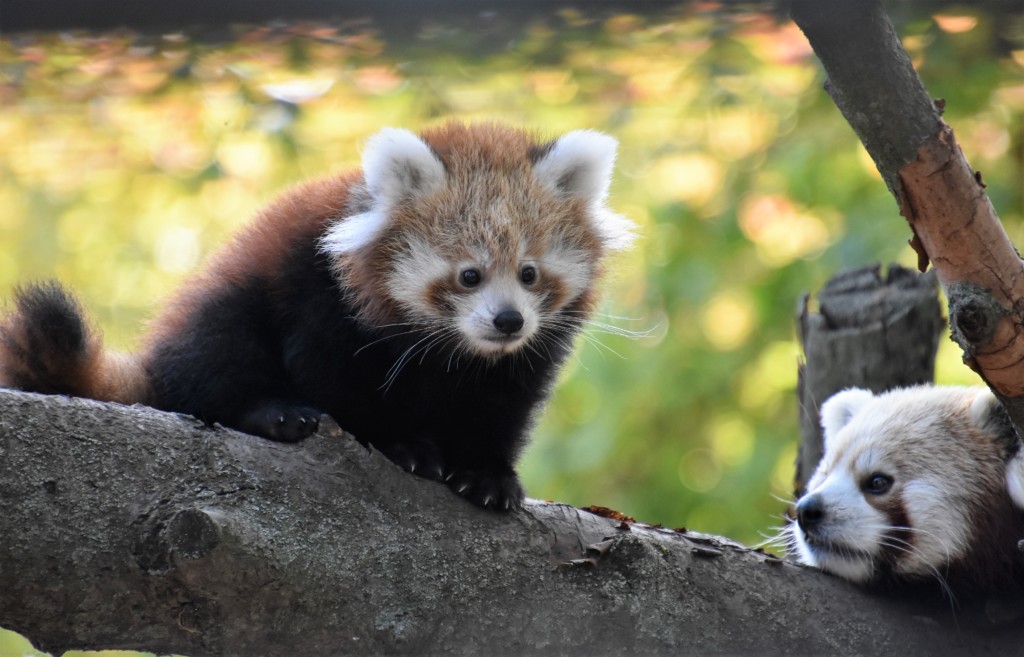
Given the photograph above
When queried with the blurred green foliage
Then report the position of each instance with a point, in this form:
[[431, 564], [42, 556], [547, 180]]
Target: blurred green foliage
[[126, 158]]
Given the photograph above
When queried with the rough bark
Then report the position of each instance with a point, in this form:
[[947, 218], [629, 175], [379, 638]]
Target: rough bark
[[874, 85], [959, 231], [125, 527], [871, 79], [869, 332]]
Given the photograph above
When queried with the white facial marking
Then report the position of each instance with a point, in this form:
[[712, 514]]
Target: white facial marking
[[414, 270], [353, 233], [475, 309], [1015, 479], [570, 266], [477, 312], [849, 536], [942, 525], [870, 460]]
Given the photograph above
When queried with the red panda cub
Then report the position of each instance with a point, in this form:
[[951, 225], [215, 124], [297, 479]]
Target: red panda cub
[[916, 484], [425, 303]]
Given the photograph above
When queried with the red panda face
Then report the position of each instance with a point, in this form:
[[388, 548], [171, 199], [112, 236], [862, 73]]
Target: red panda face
[[492, 303], [493, 307], [478, 234], [904, 480]]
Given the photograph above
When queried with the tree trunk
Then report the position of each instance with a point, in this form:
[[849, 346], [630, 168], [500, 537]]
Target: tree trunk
[[873, 83], [869, 332], [131, 528]]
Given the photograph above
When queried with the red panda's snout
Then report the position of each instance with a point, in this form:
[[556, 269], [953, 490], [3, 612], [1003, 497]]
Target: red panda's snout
[[489, 309], [810, 511], [839, 530], [499, 316], [508, 322]]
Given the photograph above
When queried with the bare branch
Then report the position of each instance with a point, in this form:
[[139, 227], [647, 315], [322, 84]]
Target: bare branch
[[955, 227]]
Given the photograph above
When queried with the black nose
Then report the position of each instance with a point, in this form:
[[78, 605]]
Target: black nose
[[508, 321], [810, 511]]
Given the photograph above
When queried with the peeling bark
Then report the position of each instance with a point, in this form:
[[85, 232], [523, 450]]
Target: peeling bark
[[954, 224], [958, 229]]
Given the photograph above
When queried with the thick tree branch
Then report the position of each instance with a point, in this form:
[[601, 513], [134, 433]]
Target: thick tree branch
[[955, 227], [131, 528], [871, 79]]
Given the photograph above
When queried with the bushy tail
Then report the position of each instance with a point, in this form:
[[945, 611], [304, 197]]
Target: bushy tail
[[47, 346]]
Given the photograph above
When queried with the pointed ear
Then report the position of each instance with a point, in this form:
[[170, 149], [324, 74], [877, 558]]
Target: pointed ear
[[399, 165], [579, 164], [988, 415], [840, 408]]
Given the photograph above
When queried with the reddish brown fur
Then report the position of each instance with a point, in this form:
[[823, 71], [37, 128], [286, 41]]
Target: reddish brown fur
[[538, 219], [301, 213], [260, 247], [15, 366], [73, 365]]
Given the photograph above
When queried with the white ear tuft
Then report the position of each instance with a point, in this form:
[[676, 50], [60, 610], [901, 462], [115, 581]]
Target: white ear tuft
[[579, 164], [983, 409], [1015, 478], [839, 409], [398, 165], [353, 233], [616, 231]]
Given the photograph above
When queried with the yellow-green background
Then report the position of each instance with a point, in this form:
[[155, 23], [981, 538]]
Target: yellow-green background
[[126, 158]]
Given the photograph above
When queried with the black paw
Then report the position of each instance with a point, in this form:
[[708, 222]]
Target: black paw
[[285, 423], [500, 492], [420, 458]]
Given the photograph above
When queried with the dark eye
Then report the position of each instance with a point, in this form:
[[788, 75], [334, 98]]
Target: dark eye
[[528, 275], [470, 277], [877, 484]]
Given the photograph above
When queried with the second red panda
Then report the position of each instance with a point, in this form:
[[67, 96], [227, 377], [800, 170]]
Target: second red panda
[[425, 302], [916, 485]]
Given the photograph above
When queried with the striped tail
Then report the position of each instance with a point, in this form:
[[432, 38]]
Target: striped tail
[[47, 346]]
